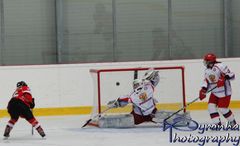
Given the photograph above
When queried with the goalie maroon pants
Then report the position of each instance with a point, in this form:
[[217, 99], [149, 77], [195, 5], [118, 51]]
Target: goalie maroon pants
[[138, 119]]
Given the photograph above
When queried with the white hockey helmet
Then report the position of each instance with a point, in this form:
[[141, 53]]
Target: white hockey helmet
[[150, 74], [137, 83]]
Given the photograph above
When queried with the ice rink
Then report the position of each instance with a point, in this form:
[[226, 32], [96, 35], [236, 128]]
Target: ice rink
[[67, 131]]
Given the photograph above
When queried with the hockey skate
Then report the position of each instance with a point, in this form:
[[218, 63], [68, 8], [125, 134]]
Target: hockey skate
[[40, 131], [7, 132], [232, 124]]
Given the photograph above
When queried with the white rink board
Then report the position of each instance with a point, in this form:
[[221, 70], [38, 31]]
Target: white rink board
[[71, 84]]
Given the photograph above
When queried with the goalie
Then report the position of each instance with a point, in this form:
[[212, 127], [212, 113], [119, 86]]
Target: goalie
[[141, 97], [144, 104]]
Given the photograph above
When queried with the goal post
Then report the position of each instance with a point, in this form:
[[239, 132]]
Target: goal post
[[109, 84]]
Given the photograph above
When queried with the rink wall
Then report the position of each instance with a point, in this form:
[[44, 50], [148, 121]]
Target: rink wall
[[68, 88]]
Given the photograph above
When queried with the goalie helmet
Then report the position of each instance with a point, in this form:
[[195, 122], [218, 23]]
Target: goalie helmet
[[209, 59], [21, 83], [137, 83]]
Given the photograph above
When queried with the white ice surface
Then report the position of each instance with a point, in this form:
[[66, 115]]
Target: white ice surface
[[67, 131]]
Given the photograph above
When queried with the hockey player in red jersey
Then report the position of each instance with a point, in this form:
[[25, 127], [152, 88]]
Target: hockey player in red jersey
[[141, 97], [218, 76], [20, 105]]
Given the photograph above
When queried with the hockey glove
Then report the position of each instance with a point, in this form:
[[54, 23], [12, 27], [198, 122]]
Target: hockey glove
[[221, 81], [113, 104], [32, 105], [202, 93], [227, 77]]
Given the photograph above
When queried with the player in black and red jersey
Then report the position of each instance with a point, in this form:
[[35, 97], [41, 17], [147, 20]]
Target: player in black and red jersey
[[20, 105]]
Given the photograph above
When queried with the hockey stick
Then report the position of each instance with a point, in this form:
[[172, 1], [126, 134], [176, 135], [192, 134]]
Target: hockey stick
[[32, 130], [196, 99], [96, 116]]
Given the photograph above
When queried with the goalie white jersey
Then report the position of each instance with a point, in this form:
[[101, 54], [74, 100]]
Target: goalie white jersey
[[141, 98], [212, 75]]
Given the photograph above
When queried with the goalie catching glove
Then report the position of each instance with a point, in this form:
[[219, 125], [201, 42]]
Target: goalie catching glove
[[152, 76]]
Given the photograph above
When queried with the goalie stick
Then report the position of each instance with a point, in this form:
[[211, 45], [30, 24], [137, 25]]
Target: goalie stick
[[196, 99], [96, 116]]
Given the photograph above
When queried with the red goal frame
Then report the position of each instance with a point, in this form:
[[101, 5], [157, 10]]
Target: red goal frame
[[99, 71]]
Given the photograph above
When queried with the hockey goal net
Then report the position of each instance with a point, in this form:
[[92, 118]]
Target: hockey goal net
[[109, 84]]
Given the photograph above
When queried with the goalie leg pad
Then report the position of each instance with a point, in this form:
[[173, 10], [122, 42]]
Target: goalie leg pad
[[181, 119], [116, 121]]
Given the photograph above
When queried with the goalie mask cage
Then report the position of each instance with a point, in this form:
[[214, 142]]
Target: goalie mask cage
[[109, 84]]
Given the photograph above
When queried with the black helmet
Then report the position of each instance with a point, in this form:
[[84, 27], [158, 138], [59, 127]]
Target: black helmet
[[21, 83]]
